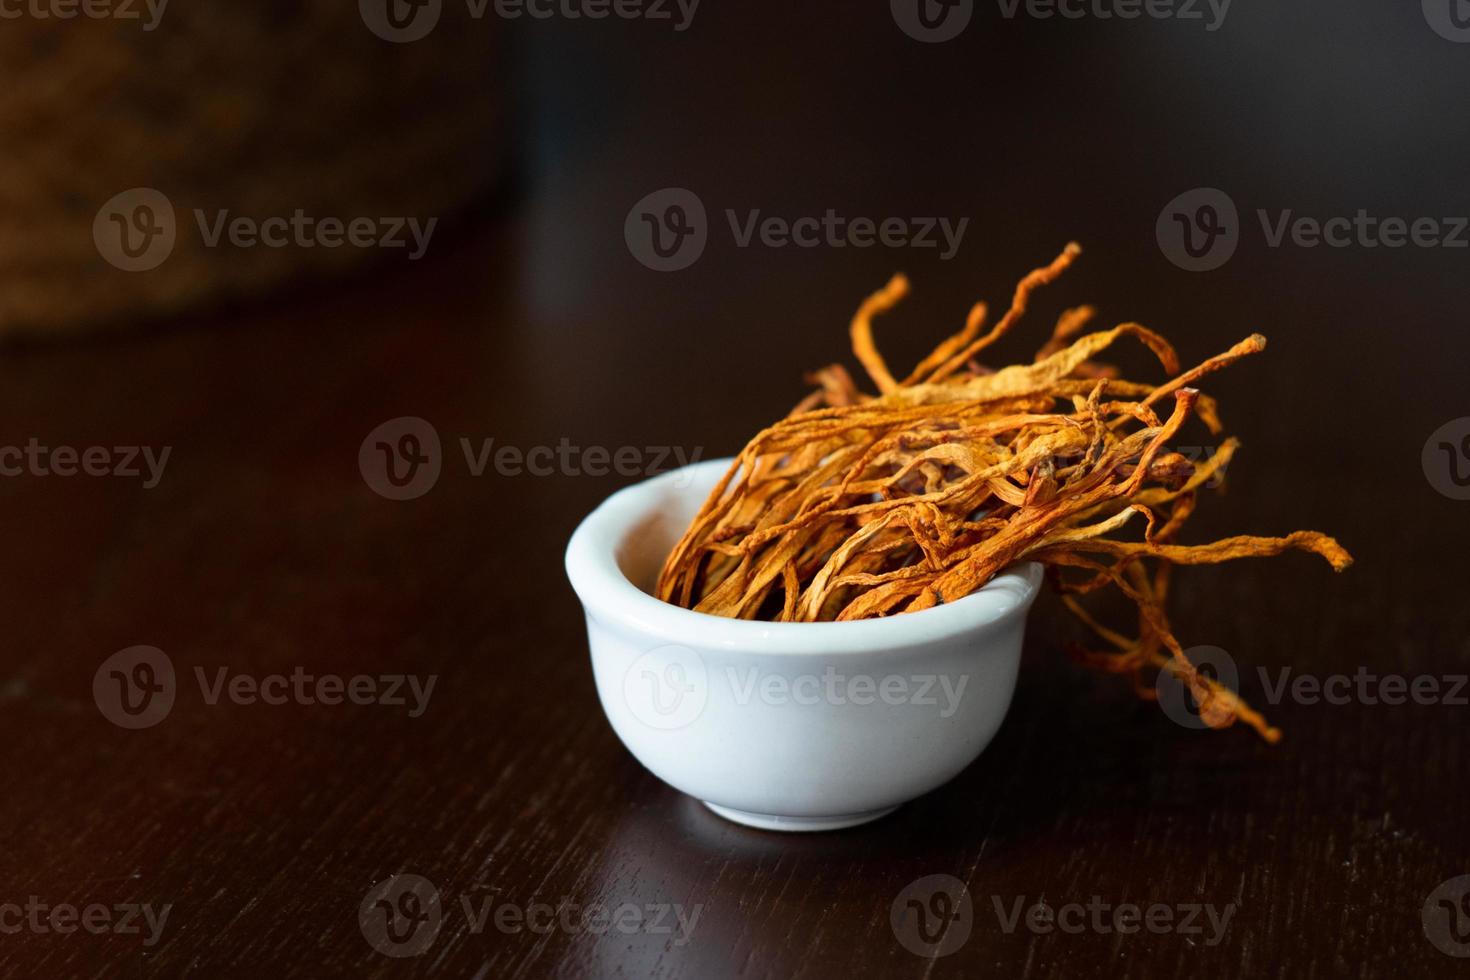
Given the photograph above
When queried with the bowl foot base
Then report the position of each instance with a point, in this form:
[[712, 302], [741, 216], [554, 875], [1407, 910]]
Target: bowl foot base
[[771, 821]]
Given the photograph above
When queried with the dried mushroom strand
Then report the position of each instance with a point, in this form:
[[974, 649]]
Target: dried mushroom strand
[[856, 505]]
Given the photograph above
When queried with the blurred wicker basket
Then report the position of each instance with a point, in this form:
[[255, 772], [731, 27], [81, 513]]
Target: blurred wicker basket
[[258, 108]]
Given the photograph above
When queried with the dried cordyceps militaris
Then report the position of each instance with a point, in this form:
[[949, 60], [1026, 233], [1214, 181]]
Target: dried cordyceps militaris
[[858, 505]]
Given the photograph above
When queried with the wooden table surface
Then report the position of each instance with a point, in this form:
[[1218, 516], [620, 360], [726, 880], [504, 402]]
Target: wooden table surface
[[264, 829]]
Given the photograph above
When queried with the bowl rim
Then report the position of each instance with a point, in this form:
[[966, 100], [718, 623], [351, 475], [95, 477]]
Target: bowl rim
[[607, 594]]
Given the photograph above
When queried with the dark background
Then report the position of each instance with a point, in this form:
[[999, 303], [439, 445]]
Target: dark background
[[263, 549]]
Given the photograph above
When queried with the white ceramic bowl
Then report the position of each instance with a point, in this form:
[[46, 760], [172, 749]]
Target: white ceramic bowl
[[786, 726]]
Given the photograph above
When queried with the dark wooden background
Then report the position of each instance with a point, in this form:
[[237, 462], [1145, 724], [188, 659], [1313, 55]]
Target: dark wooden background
[[262, 549]]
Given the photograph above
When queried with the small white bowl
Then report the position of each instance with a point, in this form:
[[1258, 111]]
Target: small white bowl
[[786, 726]]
